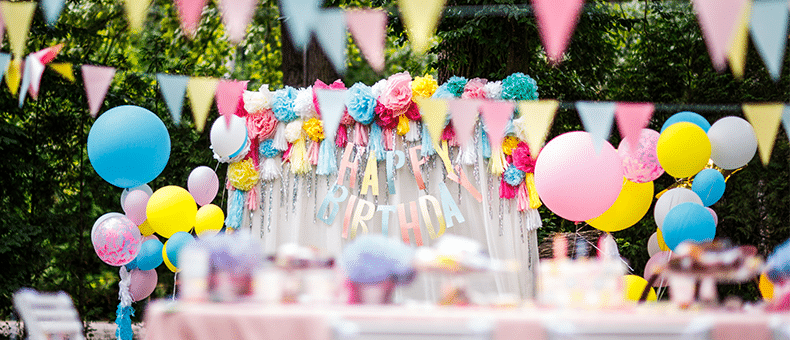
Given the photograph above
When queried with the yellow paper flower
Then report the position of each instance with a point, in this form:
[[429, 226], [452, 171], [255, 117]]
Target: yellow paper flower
[[509, 144], [403, 125], [423, 87], [314, 128], [242, 175]]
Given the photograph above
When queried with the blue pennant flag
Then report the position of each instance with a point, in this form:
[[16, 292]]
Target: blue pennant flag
[[597, 118], [173, 88], [51, 9], [769, 33]]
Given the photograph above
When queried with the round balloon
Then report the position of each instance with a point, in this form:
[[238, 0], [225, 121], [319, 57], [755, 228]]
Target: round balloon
[[733, 142], [134, 206], [687, 116], [660, 239], [683, 149], [171, 209], [174, 245], [142, 283], [128, 146], [228, 141], [150, 255], [143, 187], [203, 184], [640, 162], [104, 217], [209, 220], [670, 199], [576, 182], [715, 216], [631, 205], [634, 286], [116, 240], [709, 186], [688, 222], [766, 287], [652, 245], [660, 259], [145, 228]]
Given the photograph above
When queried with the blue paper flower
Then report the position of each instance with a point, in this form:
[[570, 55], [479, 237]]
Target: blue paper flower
[[442, 93], [361, 103], [519, 86], [267, 149], [283, 104], [456, 85], [513, 175]]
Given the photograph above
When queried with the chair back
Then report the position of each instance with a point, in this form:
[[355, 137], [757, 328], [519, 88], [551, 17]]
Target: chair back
[[48, 315]]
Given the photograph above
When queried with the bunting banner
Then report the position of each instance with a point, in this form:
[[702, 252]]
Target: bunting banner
[[2, 27], [5, 61], [769, 33], [51, 9], [556, 23], [228, 96], [173, 89], [765, 118], [496, 116], [717, 18], [200, 91], [463, 114], [434, 115], [136, 12], [740, 42], [631, 119], [332, 37], [189, 12], [420, 18], [534, 121], [332, 103], [17, 17], [66, 70], [236, 15], [97, 80], [597, 118], [13, 75], [31, 78], [300, 16], [369, 29], [786, 120]]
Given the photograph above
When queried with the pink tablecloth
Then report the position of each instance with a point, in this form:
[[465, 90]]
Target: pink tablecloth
[[173, 321]]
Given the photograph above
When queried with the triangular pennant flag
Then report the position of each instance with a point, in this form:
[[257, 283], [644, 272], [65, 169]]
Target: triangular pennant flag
[[2, 27], [64, 69], [17, 17], [189, 12], [769, 33], [765, 118], [631, 119], [14, 75], [420, 18], [332, 104], [463, 113], [300, 17], [717, 18], [31, 78], [5, 61], [228, 97], [48, 54], [51, 9], [434, 115], [27, 73], [333, 36], [369, 29], [136, 11], [597, 118], [236, 15], [556, 23], [97, 80], [786, 120], [201, 94], [534, 122], [496, 115], [740, 42], [173, 88]]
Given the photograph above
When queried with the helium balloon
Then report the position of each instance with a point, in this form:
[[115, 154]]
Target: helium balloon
[[209, 220], [652, 245], [171, 209], [631, 205], [104, 217], [687, 116], [670, 199], [766, 287], [660, 259], [576, 182], [660, 239], [116, 240], [634, 286], [134, 206], [640, 162], [142, 283], [709, 186], [150, 255], [145, 228], [715, 217], [688, 222], [143, 187], [733, 142], [171, 248], [683, 149], [228, 141], [203, 184], [128, 146]]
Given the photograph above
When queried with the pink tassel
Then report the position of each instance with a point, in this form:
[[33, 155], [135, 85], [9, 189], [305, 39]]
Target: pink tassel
[[342, 137], [312, 152], [228, 186], [287, 153], [361, 134], [506, 190], [252, 198], [389, 138], [253, 154], [448, 134], [523, 197]]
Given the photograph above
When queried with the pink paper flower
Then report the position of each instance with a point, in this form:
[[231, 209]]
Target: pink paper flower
[[397, 95], [386, 117], [522, 159], [475, 89], [261, 125]]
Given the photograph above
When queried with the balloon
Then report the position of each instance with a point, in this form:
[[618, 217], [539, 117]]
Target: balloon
[[128, 146], [733, 142], [171, 248], [209, 220], [203, 184], [573, 180], [104, 217], [640, 164], [715, 217], [132, 264], [171, 209], [660, 239], [134, 206], [659, 259], [145, 228], [143, 187], [150, 255], [142, 283], [688, 222], [116, 240], [687, 116], [228, 141], [631, 205], [652, 245], [634, 286], [766, 287], [670, 199], [683, 149], [709, 186]]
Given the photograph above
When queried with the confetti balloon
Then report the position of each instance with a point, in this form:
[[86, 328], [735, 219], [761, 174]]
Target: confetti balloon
[[640, 162], [116, 240]]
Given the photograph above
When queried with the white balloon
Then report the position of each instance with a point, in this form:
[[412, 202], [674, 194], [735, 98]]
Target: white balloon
[[652, 245], [226, 140], [733, 142], [670, 199], [101, 219], [126, 191]]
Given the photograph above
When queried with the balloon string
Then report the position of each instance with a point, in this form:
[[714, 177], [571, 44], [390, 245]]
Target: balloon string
[[599, 250], [175, 284]]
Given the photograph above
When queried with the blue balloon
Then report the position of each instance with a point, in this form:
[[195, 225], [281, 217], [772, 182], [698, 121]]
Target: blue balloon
[[150, 255], [688, 222], [687, 116], [177, 242], [709, 185], [128, 146], [132, 265]]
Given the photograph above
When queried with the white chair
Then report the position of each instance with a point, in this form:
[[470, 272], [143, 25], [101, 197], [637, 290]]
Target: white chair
[[412, 330], [697, 329], [48, 315]]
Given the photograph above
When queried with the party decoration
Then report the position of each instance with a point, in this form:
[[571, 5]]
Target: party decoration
[[640, 161], [142, 283], [13, 75], [733, 142], [652, 245], [687, 116], [228, 96], [766, 287], [126, 191], [134, 206], [556, 22], [2, 31], [201, 94], [688, 222], [17, 17], [104, 217], [670, 199], [173, 88], [5, 60], [420, 18], [574, 181], [496, 116], [150, 255], [683, 149], [136, 11], [769, 32], [228, 140], [128, 146], [631, 119], [300, 17], [171, 209], [736, 54], [174, 244], [332, 37], [785, 119], [765, 120], [597, 118], [64, 69], [709, 186], [209, 220], [717, 19], [434, 116], [660, 240], [189, 12], [369, 28], [332, 103], [236, 16], [31, 78], [715, 216], [634, 286], [97, 80], [203, 185], [654, 265], [631, 205], [116, 240], [463, 114]]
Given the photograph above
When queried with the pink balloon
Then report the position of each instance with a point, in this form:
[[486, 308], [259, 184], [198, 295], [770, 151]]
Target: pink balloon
[[134, 206], [142, 283], [203, 184], [715, 217], [116, 240], [640, 164], [573, 180], [658, 259]]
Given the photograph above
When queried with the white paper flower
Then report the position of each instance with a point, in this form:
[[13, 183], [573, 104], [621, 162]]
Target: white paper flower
[[378, 88], [293, 131], [493, 90], [303, 105]]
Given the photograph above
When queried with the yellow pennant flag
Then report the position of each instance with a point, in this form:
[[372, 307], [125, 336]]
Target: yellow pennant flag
[[64, 69], [740, 41], [534, 122], [13, 76], [434, 115], [420, 18], [136, 11], [765, 119], [200, 91], [17, 17]]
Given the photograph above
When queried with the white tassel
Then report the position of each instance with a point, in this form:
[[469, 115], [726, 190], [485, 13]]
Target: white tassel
[[271, 170], [123, 287], [467, 154], [279, 141], [414, 132], [533, 221]]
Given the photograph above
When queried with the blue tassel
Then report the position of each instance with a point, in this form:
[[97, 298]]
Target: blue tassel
[[427, 142], [235, 209], [123, 319], [376, 142], [327, 163], [485, 145]]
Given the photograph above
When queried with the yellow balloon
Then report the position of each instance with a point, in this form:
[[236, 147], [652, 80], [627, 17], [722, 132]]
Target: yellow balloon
[[766, 287], [145, 228], [660, 237], [683, 149], [209, 220], [634, 286], [631, 205], [167, 261], [171, 209]]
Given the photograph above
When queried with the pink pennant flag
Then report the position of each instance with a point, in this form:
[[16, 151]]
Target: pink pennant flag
[[631, 119], [97, 80], [463, 113], [556, 22], [189, 12], [2, 28], [228, 97], [48, 54], [369, 28], [36, 71], [236, 15], [718, 19], [496, 115]]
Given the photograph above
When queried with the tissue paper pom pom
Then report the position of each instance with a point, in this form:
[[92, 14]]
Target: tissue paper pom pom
[[424, 87], [509, 144], [522, 159], [397, 95], [314, 128], [413, 112], [378, 88], [283, 104], [303, 104], [493, 90], [361, 103], [455, 85], [257, 101], [513, 176], [267, 149], [261, 125], [293, 131], [242, 175], [475, 89], [519, 86], [442, 93], [387, 118]]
